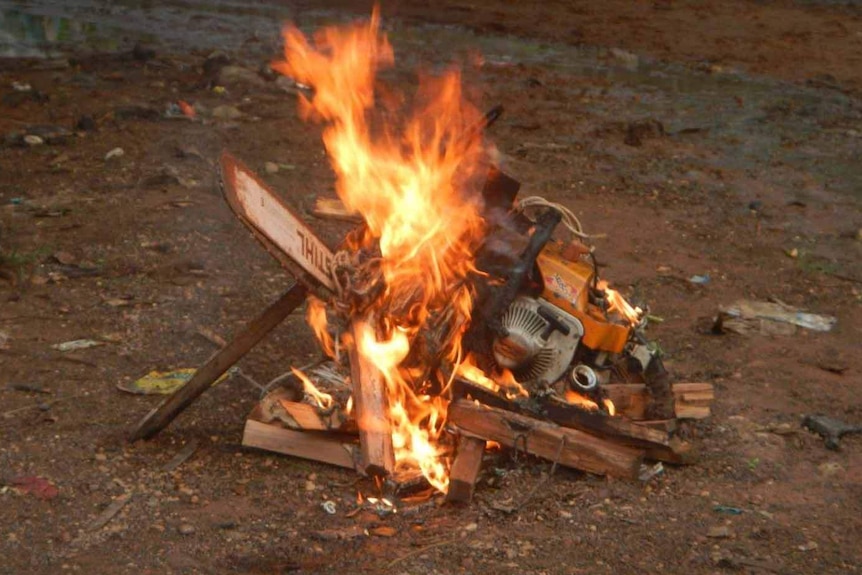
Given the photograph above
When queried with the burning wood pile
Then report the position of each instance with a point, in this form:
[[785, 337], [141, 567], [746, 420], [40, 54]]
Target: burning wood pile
[[452, 317]]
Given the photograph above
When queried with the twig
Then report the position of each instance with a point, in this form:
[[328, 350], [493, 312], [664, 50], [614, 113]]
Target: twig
[[546, 478], [420, 551], [182, 455], [110, 511], [211, 337], [845, 278]]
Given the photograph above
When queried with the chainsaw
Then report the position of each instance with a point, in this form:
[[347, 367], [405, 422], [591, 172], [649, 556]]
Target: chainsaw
[[539, 312]]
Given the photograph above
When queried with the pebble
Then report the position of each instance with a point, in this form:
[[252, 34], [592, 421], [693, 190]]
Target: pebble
[[230, 75], [829, 468], [310, 486], [719, 532], [809, 546], [32, 140], [115, 153], [225, 112], [186, 529], [270, 168]]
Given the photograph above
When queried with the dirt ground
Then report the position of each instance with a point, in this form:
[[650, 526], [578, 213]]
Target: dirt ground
[[704, 138]]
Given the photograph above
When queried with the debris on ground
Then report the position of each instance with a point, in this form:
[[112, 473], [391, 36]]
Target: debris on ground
[[38, 487], [77, 344], [769, 318], [162, 382], [829, 428]]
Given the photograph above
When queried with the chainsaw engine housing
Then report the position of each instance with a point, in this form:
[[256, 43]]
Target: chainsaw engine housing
[[542, 328]]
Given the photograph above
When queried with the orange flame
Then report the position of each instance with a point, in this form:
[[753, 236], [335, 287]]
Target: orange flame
[[505, 383], [618, 304], [315, 315], [584, 402], [410, 180], [321, 398]]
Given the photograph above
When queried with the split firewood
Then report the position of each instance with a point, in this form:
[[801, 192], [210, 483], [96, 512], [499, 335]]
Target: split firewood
[[656, 442], [328, 447], [371, 409], [569, 447], [333, 208], [305, 417], [691, 400], [465, 469]]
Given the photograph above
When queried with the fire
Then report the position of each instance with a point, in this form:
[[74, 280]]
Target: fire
[[316, 317], [584, 402], [412, 172], [410, 180], [323, 400], [618, 304], [504, 383]]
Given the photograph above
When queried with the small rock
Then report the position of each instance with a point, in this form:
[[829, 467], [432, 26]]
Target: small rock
[[808, 546], [225, 112], [470, 527], [310, 486], [719, 532], [65, 258], [626, 58], [215, 62], [115, 153], [830, 468], [639, 131], [792, 253], [383, 531], [143, 53], [85, 124], [32, 140], [270, 168], [137, 112], [186, 529], [232, 75], [286, 84]]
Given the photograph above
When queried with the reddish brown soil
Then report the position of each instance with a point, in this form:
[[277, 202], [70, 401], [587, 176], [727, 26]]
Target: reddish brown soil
[[793, 40], [102, 249]]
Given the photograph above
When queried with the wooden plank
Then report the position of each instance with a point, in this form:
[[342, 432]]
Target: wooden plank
[[326, 448], [465, 469], [693, 396], [371, 409], [630, 399], [693, 411], [569, 447], [219, 363]]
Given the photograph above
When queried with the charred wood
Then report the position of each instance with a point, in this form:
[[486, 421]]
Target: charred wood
[[569, 447]]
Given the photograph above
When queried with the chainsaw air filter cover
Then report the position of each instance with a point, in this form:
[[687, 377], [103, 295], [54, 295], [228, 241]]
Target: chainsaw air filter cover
[[540, 343]]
